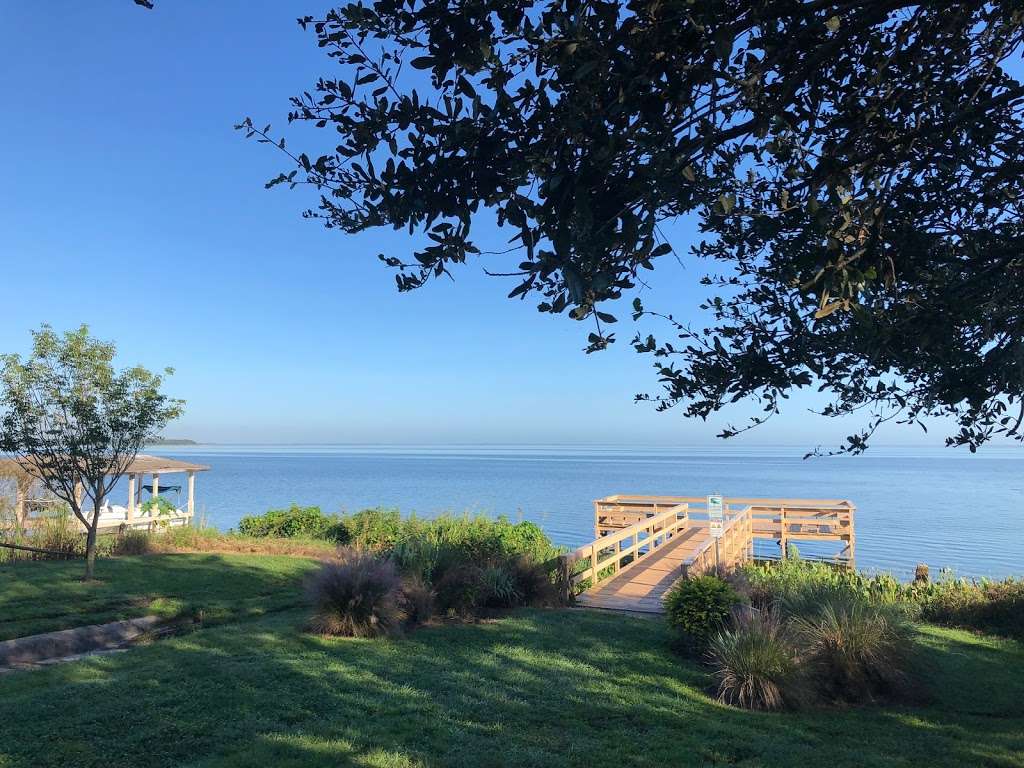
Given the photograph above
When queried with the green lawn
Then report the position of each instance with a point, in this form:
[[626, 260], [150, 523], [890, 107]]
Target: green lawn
[[46, 596], [540, 688]]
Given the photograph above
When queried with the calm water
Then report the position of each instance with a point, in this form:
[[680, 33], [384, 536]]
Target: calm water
[[913, 505]]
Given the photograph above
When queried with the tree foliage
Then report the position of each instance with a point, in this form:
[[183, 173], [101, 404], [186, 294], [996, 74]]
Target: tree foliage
[[76, 423], [856, 167]]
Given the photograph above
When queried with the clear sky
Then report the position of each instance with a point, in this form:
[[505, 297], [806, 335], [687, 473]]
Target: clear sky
[[129, 203]]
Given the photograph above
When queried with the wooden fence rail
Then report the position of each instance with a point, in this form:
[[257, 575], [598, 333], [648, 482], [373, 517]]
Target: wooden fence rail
[[735, 546], [783, 520], [643, 537]]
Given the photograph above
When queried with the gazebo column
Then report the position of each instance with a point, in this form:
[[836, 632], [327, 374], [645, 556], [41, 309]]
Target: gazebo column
[[20, 496], [191, 494], [79, 498], [131, 500], [156, 487]]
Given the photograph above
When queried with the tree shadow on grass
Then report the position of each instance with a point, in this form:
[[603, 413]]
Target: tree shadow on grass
[[48, 596], [538, 688]]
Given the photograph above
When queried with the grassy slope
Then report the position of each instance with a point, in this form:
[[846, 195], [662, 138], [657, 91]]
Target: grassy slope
[[542, 688], [47, 596]]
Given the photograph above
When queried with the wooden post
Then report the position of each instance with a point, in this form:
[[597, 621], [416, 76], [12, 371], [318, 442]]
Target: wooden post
[[191, 494], [783, 543], [131, 501], [156, 486], [593, 564], [597, 519]]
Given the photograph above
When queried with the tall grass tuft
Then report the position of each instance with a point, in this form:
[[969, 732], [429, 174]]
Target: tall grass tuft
[[417, 601], [498, 586], [754, 662], [133, 542], [859, 651], [356, 596]]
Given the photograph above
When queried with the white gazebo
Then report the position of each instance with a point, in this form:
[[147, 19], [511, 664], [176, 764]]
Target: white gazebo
[[116, 516]]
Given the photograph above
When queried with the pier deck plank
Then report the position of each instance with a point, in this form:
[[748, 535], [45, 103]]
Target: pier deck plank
[[642, 587]]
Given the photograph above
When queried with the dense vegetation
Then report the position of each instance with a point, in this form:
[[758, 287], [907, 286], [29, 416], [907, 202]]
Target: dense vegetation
[[792, 633], [394, 572], [984, 605]]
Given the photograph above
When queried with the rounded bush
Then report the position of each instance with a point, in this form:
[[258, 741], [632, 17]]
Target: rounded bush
[[698, 608], [359, 595]]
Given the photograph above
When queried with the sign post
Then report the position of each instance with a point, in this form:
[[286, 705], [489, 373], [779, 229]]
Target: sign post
[[716, 521]]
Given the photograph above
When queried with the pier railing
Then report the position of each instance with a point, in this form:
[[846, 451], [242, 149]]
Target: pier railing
[[623, 547], [782, 520], [735, 546]]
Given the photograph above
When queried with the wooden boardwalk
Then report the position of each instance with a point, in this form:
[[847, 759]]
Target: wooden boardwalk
[[642, 588], [645, 544]]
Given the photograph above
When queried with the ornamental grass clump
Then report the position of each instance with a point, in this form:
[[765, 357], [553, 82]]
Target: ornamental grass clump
[[754, 662], [498, 586], [358, 595], [856, 651], [417, 602]]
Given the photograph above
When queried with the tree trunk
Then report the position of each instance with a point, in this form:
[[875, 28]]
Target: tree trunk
[[90, 543]]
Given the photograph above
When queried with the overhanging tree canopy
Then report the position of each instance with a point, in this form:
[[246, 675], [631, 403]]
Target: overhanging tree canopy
[[856, 166]]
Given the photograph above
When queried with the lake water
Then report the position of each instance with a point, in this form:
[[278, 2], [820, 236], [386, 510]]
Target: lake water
[[939, 506]]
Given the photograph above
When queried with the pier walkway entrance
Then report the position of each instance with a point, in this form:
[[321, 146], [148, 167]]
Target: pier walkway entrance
[[644, 544]]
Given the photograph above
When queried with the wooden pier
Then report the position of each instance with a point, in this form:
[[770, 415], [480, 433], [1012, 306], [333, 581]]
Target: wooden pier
[[644, 544]]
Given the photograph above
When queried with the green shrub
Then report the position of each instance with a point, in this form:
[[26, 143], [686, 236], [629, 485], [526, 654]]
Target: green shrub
[[802, 581], [858, 651], [754, 662], [698, 608], [359, 595], [293, 522], [988, 606], [469, 562], [369, 529], [158, 506]]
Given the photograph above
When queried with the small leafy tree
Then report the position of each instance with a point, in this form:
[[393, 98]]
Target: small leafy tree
[[75, 423]]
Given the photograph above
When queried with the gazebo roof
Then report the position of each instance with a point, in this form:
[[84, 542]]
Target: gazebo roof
[[144, 464]]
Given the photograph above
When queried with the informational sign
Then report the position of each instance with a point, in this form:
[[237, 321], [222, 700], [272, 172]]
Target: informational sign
[[716, 515]]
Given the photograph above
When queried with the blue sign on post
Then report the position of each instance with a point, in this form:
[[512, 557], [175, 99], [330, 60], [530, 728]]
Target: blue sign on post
[[716, 515]]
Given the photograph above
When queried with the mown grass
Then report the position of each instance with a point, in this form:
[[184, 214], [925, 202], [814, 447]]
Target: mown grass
[[539, 688], [47, 596]]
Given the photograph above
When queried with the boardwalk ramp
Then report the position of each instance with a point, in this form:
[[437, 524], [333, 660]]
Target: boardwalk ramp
[[645, 544]]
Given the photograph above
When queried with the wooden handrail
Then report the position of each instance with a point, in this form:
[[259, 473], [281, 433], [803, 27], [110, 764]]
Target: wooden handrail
[[624, 517], [735, 551], [659, 529]]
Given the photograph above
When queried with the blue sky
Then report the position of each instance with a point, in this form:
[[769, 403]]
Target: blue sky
[[131, 204]]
